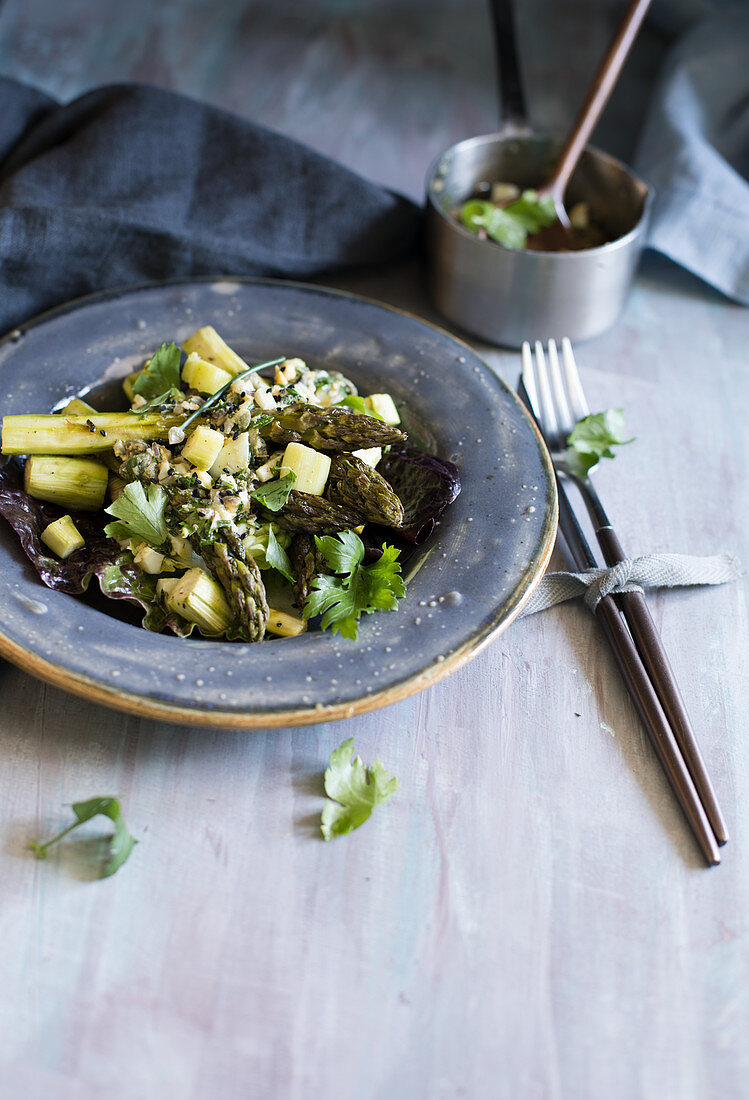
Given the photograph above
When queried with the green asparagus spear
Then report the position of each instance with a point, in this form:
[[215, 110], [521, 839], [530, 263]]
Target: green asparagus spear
[[354, 484], [315, 515], [56, 433], [304, 562], [239, 576], [336, 428]]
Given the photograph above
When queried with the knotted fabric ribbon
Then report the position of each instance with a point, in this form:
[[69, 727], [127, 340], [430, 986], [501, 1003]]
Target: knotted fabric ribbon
[[632, 575]]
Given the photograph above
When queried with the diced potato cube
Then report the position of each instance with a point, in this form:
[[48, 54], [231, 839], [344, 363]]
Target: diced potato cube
[[311, 468], [505, 192], [384, 406], [285, 625], [203, 376], [207, 343], [270, 469], [233, 456], [203, 447], [63, 537], [370, 455], [148, 559], [265, 400], [166, 585]]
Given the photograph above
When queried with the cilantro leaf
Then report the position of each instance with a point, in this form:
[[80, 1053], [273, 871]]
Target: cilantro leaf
[[342, 600], [592, 438], [353, 791], [121, 843], [161, 373], [509, 225], [141, 517], [276, 556], [274, 494]]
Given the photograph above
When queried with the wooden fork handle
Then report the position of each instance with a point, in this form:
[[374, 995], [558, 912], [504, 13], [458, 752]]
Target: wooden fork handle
[[650, 647], [641, 690]]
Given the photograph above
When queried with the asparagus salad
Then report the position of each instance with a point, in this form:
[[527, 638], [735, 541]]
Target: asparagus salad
[[239, 500]]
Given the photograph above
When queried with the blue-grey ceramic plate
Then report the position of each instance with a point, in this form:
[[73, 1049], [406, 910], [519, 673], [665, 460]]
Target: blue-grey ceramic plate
[[473, 575]]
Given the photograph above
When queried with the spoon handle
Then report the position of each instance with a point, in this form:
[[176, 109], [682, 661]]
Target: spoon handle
[[513, 117], [598, 94]]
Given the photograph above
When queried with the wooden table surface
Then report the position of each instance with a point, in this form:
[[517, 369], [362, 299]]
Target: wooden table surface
[[529, 917]]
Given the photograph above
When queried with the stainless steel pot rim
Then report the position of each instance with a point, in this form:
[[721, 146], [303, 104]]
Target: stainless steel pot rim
[[519, 136]]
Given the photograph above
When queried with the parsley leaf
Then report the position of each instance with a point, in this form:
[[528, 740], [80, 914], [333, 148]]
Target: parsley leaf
[[274, 494], [343, 552], [142, 517], [343, 600], [169, 397], [353, 791], [509, 225], [161, 373], [121, 843], [592, 438]]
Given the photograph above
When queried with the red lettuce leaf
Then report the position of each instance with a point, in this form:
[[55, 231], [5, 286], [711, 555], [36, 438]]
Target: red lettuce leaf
[[29, 517], [118, 576], [425, 484]]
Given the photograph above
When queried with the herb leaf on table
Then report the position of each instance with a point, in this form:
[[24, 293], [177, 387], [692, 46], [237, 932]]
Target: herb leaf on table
[[592, 438], [353, 791], [121, 843]]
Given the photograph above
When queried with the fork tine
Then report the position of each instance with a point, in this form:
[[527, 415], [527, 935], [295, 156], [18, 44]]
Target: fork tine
[[529, 380], [574, 385], [548, 414], [566, 422]]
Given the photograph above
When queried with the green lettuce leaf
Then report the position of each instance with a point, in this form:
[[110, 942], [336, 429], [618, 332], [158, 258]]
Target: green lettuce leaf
[[353, 791]]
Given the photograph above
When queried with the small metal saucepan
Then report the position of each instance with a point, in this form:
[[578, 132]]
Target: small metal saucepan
[[507, 296]]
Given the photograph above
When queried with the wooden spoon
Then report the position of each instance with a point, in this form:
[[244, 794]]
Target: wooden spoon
[[560, 235]]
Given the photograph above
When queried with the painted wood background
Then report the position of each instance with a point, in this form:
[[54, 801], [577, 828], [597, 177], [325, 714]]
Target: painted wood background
[[529, 916]]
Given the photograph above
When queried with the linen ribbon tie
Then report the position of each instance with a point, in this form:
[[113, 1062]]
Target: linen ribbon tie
[[632, 575]]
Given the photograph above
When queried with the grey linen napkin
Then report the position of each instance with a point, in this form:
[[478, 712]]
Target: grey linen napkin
[[632, 575], [695, 151], [130, 183]]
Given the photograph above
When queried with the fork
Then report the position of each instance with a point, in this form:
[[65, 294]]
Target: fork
[[557, 402]]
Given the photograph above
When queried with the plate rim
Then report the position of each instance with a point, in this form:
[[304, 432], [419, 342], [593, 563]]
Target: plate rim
[[134, 703]]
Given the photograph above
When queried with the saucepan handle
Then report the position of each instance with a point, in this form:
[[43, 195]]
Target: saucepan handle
[[512, 111]]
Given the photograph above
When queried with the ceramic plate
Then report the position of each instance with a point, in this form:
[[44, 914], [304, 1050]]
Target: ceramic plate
[[472, 576]]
